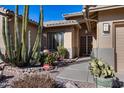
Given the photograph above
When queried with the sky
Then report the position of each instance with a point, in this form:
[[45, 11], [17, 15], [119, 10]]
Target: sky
[[51, 12]]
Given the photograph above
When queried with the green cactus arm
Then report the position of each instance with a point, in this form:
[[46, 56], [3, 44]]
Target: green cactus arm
[[7, 33], [37, 44], [16, 30], [17, 41], [23, 36], [40, 27], [24, 29], [3, 32]]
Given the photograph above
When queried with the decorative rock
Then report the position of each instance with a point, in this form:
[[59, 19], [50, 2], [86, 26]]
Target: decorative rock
[[1, 74], [59, 84], [70, 85], [117, 83]]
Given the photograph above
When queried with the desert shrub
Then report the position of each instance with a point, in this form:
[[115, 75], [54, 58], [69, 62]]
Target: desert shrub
[[63, 52], [43, 58], [34, 81], [48, 58], [51, 57]]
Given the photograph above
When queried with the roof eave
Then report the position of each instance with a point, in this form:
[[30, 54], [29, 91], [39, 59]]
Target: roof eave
[[75, 24], [94, 9], [106, 8]]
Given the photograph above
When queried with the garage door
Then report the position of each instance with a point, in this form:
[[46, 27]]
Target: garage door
[[120, 47]]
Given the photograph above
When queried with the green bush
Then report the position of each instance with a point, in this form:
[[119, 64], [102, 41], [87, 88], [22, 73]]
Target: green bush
[[63, 52], [43, 58], [50, 58]]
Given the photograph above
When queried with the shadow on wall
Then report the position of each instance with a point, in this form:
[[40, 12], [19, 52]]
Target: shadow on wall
[[67, 54]]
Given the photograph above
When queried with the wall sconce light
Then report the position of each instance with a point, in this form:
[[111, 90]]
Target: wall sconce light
[[106, 27]]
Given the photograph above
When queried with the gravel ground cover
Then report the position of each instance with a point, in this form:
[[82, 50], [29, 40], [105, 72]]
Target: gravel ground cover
[[14, 73]]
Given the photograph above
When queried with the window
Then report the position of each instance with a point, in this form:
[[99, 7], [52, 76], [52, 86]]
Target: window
[[55, 39]]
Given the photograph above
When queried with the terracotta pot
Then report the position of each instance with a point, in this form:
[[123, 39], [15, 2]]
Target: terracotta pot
[[46, 67]]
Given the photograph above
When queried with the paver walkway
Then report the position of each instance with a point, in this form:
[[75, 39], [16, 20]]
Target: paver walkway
[[77, 72], [80, 72]]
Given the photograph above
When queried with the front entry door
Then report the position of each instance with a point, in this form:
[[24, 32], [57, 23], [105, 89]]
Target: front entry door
[[85, 45]]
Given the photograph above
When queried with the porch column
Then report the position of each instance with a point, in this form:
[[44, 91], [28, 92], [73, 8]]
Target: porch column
[[78, 42], [68, 43]]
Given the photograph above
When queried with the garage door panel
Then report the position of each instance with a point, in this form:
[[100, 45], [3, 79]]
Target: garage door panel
[[120, 48], [120, 67], [121, 51]]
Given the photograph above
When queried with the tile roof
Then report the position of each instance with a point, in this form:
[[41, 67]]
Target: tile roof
[[60, 23]]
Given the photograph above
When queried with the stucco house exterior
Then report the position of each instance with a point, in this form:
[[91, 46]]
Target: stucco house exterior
[[105, 40]]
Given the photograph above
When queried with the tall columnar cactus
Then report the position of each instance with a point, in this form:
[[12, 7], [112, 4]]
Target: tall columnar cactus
[[24, 29], [4, 39], [3, 33], [17, 52], [8, 43], [16, 30], [17, 42], [37, 44]]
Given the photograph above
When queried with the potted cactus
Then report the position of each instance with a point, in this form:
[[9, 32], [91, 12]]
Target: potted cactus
[[103, 73]]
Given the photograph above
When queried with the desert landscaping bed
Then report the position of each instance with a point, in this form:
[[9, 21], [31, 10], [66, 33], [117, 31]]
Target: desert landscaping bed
[[11, 74]]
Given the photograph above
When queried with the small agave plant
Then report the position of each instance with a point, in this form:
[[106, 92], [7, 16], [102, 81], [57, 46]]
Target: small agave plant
[[99, 69]]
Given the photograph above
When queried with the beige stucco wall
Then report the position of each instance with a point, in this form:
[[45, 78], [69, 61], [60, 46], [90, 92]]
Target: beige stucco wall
[[69, 38], [105, 42], [108, 16], [68, 43], [75, 42]]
